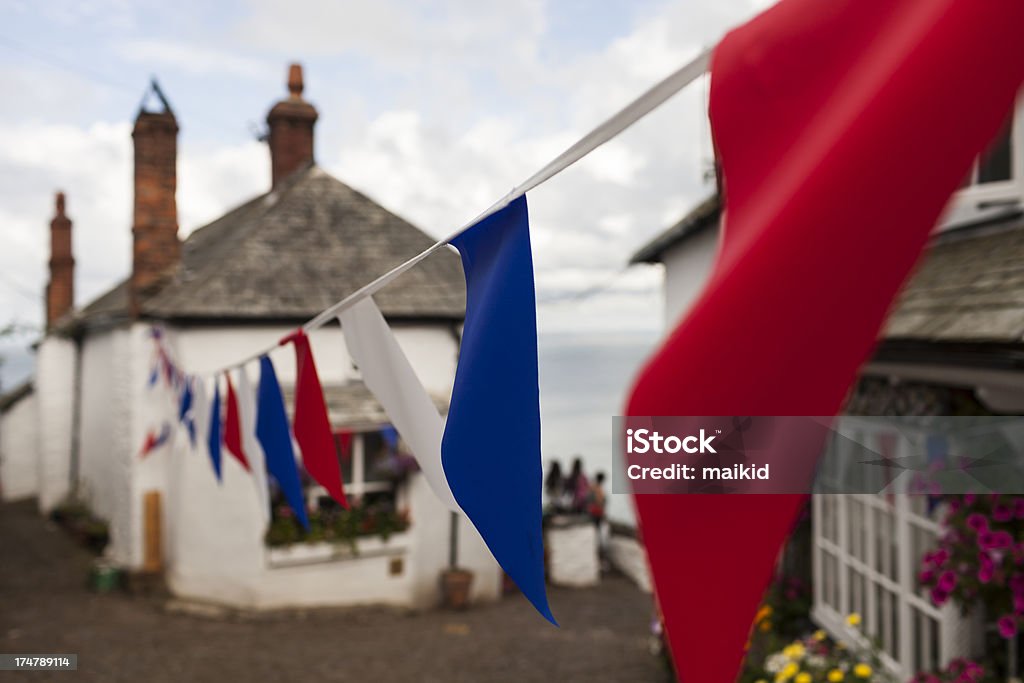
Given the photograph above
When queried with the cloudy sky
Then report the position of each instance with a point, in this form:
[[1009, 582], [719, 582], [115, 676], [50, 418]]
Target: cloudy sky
[[435, 109]]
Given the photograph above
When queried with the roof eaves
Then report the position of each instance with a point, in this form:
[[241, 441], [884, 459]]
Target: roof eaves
[[702, 217]]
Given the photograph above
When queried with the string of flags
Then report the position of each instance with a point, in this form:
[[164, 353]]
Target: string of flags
[[808, 196], [498, 350]]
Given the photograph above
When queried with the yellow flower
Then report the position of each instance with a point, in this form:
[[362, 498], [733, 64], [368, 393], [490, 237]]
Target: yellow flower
[[803, 677], [760, 680], [820, 635], [853, 619], [765, 626], [763, 613], [862, 671], [794, 651], [835, 676], [787, 673]]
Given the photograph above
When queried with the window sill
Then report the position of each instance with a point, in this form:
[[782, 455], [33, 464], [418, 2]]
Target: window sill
[[300, 554]]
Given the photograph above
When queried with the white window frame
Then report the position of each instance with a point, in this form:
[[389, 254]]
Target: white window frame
[[953, 630], [976, 196], [358, 486]]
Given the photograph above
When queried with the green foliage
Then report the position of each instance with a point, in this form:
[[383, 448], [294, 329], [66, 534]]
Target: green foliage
[[337, 525]]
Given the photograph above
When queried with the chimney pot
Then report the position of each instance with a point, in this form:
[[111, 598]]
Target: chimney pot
[[290, 123], [295, 85], [60, 290]]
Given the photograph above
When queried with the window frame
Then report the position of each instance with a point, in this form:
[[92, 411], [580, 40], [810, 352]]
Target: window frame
[[831, 538], [357, 486], [976, 196]]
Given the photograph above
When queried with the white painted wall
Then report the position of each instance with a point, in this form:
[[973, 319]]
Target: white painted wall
[[215, 550], [105, 437], [55, 377], [687, 267], [19, 449]]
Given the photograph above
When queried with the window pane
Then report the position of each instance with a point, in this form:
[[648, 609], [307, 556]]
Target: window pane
[[996, 164], [377, 462]]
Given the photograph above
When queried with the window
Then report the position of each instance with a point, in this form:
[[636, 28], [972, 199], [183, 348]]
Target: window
[[867, 549], [997, 177], [365, 469]]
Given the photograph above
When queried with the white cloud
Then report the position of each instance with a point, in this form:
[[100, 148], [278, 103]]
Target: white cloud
[[194, 59], [418, 156]]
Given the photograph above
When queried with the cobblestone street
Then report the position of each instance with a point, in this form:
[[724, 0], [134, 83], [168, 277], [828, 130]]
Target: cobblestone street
[[46, 608]]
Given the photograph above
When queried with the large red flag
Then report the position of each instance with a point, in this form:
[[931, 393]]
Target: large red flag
[[842, 127], [311, 426]]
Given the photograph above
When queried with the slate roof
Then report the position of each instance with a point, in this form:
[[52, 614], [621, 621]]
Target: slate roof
[[290, 253], [968, 288]]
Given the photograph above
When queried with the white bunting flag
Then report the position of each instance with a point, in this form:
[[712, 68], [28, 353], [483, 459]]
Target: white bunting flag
[[389, 376], [200, 413], [251, 445]]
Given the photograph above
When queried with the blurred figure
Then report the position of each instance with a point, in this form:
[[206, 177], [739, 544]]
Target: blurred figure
[[554, 488], [577, 487], [597, 500]]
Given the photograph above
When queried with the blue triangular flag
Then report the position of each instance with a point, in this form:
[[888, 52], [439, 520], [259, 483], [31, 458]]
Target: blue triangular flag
[[215, 434], [491, 446], [185, 410], [276, 440]]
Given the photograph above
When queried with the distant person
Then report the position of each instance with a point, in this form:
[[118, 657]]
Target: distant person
[[577, 487], [554, 487], [597, 500]]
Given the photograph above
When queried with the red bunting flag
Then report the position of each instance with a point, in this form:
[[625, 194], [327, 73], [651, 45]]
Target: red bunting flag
[[344, 438], [233, 426], [842, 128], [311, 426]]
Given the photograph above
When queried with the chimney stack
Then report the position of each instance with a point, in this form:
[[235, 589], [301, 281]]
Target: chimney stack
[[60, 291], [155, 246], [290, 123]]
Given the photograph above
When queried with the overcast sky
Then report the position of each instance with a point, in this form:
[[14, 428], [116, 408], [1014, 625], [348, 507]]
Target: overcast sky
[[435, 109]]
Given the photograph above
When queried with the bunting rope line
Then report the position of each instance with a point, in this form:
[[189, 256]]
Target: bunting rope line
[[644, 104]]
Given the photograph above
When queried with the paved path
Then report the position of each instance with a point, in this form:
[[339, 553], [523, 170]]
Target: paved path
[[44, 607]]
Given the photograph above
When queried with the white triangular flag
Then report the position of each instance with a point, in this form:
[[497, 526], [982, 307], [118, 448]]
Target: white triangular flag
[[250, 444], [389, 376], [200, 414]]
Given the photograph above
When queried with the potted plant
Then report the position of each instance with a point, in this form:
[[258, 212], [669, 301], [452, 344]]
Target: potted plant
[[456, 582]]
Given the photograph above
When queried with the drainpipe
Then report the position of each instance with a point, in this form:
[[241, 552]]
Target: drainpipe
[[76, 415]]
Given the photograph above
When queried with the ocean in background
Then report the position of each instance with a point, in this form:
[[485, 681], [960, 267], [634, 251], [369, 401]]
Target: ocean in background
[[583, 383]]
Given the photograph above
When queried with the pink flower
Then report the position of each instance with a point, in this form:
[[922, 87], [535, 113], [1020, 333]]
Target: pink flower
[[1007, 626], [985, 573], [939, 597], [977, 521], [1018, 507], [992, 540], [1018, 603], [947, 582], [936, 558], [1002, 513], [926, 576]]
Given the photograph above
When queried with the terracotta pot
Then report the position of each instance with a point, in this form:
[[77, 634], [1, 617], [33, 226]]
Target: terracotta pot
[[455, 585]]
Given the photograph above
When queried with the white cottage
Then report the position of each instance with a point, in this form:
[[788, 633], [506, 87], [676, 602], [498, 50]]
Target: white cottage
[[233, 287], [953, 344]]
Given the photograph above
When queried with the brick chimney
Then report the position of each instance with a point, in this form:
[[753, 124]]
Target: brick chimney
[[60, 290], [290, 123], [155, 246]]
